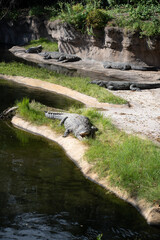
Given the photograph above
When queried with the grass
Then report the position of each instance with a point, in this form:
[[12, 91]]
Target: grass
[[127, 161], [46, 44], [76, 83], [143, 18]]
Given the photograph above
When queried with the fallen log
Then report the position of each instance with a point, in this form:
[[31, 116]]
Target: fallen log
[[8, 113]]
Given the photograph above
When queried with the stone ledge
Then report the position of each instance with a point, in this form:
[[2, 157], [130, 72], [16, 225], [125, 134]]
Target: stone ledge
[[91, 68]]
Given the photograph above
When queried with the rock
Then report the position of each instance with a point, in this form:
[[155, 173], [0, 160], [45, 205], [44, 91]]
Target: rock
[[113, 46], [154, 216]]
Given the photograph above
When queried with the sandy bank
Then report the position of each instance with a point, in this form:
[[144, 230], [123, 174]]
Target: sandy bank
[[36, 83], [75, 150]]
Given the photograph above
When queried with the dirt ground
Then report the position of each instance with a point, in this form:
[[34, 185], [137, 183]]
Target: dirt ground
[[143, 117]]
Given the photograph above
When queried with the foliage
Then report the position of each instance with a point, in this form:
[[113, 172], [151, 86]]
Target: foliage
[[73, 14], [99, 237], [33, 115], [47, 45], [34, 112], [10, 15], [142, 18], [125, 160], [97, 18], [131, 2], [83, 16], [36, 11], [76, 83]]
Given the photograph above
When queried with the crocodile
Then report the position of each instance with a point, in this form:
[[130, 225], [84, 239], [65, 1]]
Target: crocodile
[[124, 85], [128, 66], [37, 49], [79, 125], [61, 57]]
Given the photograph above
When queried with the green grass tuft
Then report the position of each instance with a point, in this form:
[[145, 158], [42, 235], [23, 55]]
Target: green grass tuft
[[46, 44]]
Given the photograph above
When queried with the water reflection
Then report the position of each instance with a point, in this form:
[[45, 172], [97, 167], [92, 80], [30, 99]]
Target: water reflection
[[11, 92]]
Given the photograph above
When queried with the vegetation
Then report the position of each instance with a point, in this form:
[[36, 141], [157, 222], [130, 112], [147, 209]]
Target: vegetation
[[142, 16], [127, 161], [84, 16], [47, 45], [76, 83]]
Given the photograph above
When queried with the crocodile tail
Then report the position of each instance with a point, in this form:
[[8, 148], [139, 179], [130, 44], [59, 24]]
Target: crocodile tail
[[54, 115]]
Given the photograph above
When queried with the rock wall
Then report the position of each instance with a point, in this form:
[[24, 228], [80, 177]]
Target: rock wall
[[22, 31], [113, 45]]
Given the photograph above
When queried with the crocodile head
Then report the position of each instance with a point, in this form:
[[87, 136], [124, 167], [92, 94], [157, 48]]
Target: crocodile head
[[84, 133], [88, 132]]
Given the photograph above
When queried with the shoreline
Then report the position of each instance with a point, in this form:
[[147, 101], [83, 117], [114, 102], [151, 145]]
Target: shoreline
[[39, 84], [150, 213]]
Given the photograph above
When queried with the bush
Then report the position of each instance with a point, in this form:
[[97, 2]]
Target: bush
[[142, 18], [36, 11], [84, 16], [97, 18], [73, 14]]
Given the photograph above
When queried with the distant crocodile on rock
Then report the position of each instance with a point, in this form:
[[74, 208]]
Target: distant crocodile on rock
[[60, 57], [128, 66], [124, 85], [79, 125], [37, 49]]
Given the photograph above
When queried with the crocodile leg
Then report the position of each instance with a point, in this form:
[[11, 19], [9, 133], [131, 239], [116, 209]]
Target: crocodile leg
[[63, 120], [110, 87], [79, 137], [133, 87], [66, 133]]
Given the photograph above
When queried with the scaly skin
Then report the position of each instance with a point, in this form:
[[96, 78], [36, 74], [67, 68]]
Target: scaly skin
[[123, 85], [61, 57], [37, 49], [79, 125]]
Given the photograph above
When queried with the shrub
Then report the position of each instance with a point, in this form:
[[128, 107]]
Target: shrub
[[97, 18], [36, 11], [73, 14], [82, 16], [143, 18]]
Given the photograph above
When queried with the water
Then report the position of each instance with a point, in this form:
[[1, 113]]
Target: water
[[43, 195], [42, 96]]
